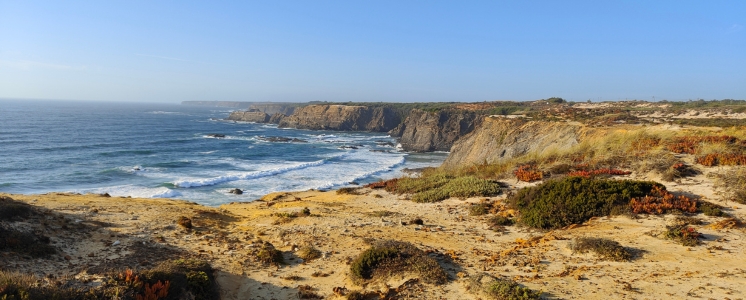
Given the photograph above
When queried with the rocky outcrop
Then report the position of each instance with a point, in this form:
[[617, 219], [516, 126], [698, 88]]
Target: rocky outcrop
[[249, 116], [274, 108], [425, 131], [499, 138], [342, 117], [277, 118]]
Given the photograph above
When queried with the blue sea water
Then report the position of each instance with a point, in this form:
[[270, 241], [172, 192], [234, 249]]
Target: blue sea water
[[165, 150]]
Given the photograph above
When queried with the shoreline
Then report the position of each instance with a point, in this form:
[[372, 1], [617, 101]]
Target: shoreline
[[341, 226]]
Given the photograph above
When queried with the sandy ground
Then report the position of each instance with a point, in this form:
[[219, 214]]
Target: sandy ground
[[107, 232]]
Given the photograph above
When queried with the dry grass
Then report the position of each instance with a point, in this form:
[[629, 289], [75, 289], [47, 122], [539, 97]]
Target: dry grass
[[732, 184], [308, 253], [639, 149]]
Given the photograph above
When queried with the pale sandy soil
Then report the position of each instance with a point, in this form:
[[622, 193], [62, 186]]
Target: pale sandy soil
[[695, 114], [341, 226]]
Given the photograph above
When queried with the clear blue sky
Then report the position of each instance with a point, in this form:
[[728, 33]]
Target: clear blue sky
[[372, 50]]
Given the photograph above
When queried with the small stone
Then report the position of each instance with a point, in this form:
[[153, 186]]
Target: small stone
[[67, 257]]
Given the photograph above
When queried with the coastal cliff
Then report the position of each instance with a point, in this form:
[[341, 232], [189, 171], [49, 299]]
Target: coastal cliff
[[500, 138], [425, 131], [342, 117], [275, 108], [249, 116]]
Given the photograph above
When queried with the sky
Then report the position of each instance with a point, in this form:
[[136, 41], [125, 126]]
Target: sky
[[297, 51]]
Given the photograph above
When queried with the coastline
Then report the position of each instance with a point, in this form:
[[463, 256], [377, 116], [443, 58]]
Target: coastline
[[343, 225]]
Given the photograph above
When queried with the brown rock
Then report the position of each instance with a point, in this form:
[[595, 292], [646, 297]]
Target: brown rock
[[425, 131], [497, 139], [343, 118]]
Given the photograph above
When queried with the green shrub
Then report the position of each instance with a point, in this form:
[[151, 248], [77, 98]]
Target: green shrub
[[387, 258], [412, 185], [499, 289], [711, 209], [366, 262], [349, 191], [269, 255], [186, 279], [573, 200], [308, 253], [478, 209], [461, 187], [189, 278], [499, 221], [683, 234], [604, 248]]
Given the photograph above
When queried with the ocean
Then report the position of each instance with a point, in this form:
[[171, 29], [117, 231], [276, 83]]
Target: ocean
[[181, 151]]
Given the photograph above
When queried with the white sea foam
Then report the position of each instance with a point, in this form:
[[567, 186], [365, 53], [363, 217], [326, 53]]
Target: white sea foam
[[135, 191], [160, 112], [197, 182], [390, 163]]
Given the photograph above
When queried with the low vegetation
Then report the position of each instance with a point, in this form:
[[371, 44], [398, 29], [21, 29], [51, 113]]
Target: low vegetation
[[498, 222], [683, 234], [285, 217], [268, 255], [184, 222], [436, 186], [659, 201], [170, 280], [573, 200], [13, 210], [17, 238], [386, 258], [490, 287], [308, 253], [350, 191], [732, 185], [605, 249]]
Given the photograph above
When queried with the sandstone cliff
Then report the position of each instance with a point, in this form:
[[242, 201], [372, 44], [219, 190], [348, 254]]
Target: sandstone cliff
[[274, 108], [424, 131], [499, 138], [342, 117], [277, 118], [249, 116]]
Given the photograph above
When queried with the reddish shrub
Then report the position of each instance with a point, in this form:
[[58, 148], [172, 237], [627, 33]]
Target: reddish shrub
[[690, 144], [528, 173], [593, 173], [660, 201]]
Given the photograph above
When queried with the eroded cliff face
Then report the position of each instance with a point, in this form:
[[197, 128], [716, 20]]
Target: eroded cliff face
[[425, 131], [499, 138], [342, 117], [271, 109], [249, 116]]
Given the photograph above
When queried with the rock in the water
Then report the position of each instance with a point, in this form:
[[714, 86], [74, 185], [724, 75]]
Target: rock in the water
[[236, 191], [216, 135], [280, 139]]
